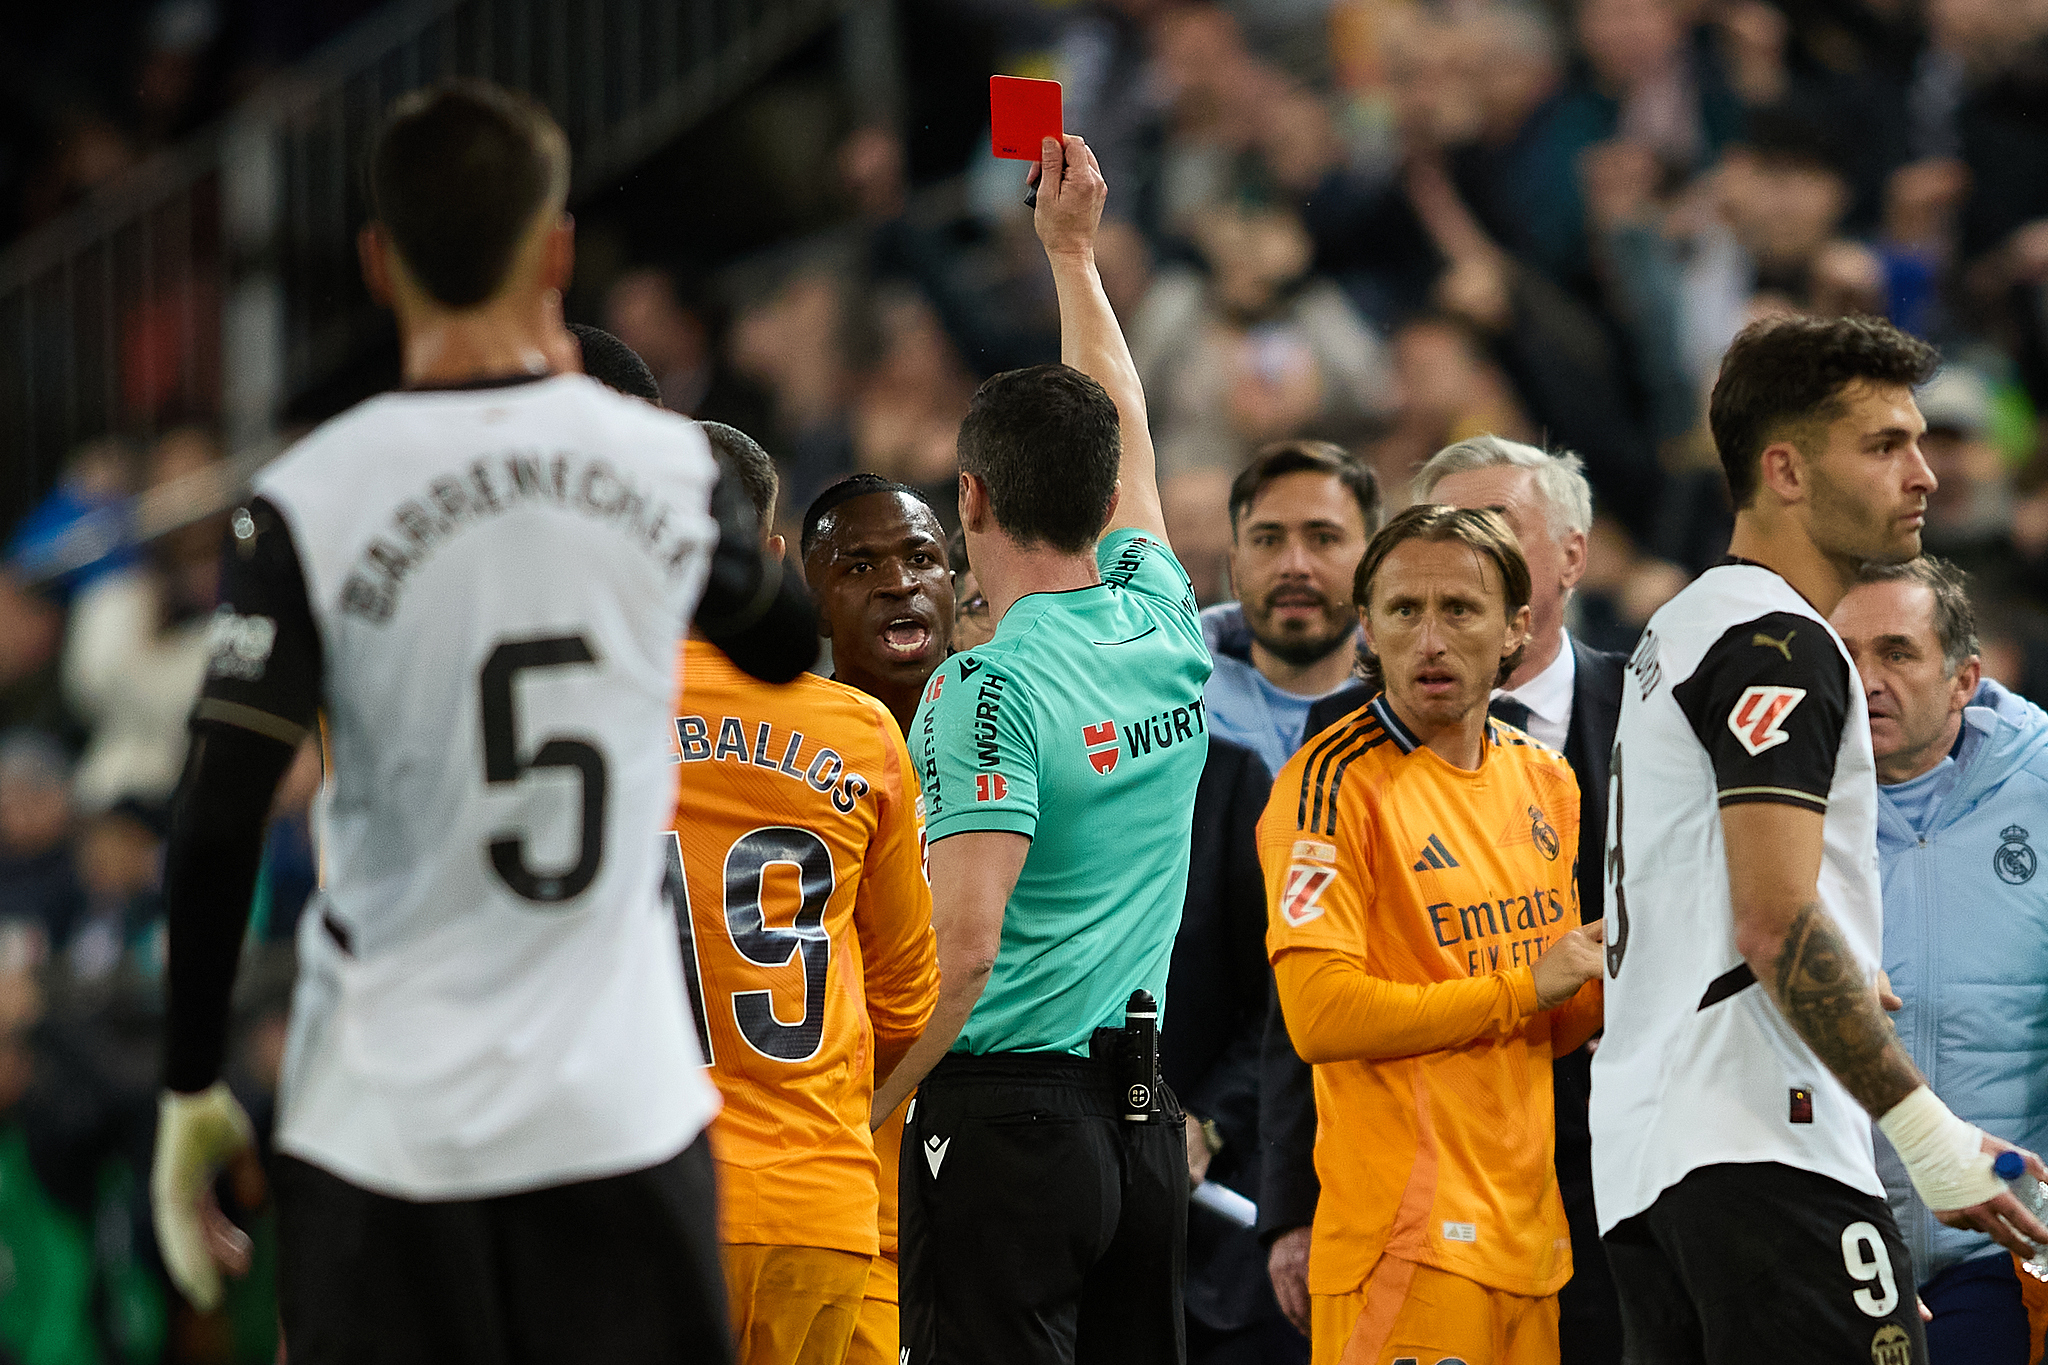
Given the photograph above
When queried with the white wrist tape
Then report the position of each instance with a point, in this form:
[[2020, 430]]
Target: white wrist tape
[[1944, 1155]]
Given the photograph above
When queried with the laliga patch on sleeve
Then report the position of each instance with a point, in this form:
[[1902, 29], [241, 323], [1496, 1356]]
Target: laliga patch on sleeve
[[1759, 716], [239, 646], [1299, 899]]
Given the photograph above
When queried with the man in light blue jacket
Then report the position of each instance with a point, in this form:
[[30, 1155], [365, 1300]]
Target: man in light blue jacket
[[1962, 768], [1300, 515]]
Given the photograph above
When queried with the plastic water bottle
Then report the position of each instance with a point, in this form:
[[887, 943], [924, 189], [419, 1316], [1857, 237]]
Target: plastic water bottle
[[2011, 1167]]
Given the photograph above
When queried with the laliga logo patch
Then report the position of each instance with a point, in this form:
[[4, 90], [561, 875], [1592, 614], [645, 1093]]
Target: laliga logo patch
[[1305, 886], [1093, 738], [990, 787], [1759, 713], [2014, 862]]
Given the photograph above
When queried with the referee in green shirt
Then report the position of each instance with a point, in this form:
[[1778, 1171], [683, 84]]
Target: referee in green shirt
[[1059, 763]]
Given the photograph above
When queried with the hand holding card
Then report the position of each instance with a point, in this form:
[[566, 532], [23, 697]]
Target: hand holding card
[[1022, 113], [1069, 210]]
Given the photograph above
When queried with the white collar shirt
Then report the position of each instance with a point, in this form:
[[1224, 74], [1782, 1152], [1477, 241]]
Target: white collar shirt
[[1548, 695]]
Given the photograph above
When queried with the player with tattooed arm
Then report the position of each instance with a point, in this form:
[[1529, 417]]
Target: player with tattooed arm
[[1747, 1049]]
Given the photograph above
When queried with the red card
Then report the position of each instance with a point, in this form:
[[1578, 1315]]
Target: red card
[[1021, 114]]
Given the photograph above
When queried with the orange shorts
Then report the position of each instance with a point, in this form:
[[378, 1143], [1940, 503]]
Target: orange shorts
[[1419, 1315], [792, 1305], [877, 1338]]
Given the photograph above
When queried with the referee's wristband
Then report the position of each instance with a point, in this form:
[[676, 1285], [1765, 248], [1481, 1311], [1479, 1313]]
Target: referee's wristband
[[1944, 1155]]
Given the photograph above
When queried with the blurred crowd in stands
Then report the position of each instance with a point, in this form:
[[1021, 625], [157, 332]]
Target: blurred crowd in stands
[[89, 89], [1390, 224]]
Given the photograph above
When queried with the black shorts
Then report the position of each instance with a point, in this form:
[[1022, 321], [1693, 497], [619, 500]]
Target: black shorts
[[1038, 1226], [622, 1270], [1755, 1264]]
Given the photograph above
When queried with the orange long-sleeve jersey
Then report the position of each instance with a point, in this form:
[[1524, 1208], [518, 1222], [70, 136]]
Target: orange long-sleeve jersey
[[800, 838], [1408, 901]]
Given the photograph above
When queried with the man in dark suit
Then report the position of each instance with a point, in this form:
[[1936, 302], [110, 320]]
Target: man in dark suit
[[1216, 993], [1569, 697]]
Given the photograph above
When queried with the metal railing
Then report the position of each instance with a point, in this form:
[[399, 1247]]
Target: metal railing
[[218, 282]]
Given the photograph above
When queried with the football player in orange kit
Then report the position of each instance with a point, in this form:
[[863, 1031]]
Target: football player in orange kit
[[798, 846], [1424, 931], [875, 557]]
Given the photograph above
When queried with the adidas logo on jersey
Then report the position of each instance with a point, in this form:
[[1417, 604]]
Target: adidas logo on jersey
[[1435, 857]]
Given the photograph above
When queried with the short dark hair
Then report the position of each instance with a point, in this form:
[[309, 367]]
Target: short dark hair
[[751, 465], [1783, 378], [1955, 619], [457, 175], [614, 364], [1481, 528], [1045, 441], [1306, 457], [846, 490]]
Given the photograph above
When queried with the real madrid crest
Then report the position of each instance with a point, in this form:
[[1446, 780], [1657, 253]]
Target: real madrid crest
[[2014, 862], [1546, 837]]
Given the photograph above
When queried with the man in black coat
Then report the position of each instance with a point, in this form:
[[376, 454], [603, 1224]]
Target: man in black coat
[[1569, 697], [1209, 1053]]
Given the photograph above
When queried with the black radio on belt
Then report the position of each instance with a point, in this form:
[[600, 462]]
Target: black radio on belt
[[1140, 1058]]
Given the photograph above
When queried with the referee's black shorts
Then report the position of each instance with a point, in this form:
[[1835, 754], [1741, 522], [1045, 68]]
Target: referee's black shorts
[[1039, 1226], [622, 1270], [1764, 1264]]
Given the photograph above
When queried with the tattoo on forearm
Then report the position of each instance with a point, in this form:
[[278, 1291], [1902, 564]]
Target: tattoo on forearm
[[1825, 998]]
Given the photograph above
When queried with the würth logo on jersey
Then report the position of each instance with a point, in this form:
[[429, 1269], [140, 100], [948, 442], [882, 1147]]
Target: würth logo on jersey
[[1435, 857], [1102, 745], [990, 787], [1759, 716]]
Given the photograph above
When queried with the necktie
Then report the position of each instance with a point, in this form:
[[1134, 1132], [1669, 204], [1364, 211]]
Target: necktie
[[1508, 711]]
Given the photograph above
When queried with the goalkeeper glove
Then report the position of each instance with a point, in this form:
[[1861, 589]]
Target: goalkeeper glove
[[196, 1135]]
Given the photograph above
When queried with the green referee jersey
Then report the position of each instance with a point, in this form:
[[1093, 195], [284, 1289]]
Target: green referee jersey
[[1080, 725]]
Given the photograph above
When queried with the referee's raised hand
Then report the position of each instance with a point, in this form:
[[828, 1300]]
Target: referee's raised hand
[[1071, 193]]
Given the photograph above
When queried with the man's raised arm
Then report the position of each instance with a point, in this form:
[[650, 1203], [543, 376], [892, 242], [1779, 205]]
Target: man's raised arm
[[1071, 193]]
